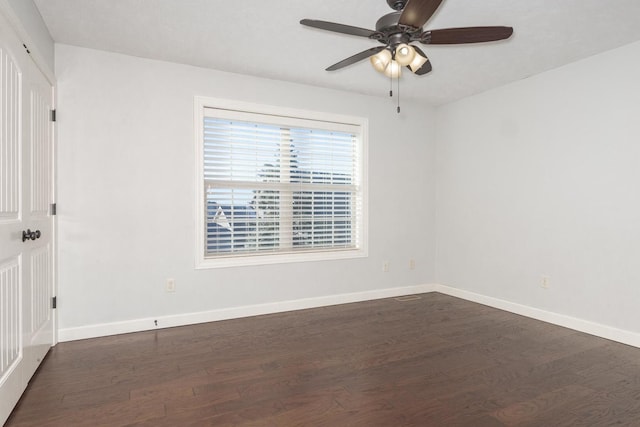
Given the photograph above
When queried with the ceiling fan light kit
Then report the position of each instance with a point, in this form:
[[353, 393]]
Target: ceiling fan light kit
[[396, 30], [393, 70], [404, 54], [417, 63], [381, 60]]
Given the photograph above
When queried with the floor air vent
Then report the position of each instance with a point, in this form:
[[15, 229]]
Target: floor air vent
[[408, 298]]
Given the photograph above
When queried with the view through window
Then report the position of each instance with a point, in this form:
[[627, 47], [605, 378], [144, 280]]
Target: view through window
[[280, 185]]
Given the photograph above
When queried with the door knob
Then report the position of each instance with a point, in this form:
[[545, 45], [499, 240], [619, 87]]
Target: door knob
[[30, 235]]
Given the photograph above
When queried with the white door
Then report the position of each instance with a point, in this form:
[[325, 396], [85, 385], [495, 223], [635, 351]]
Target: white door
[[26, 223]]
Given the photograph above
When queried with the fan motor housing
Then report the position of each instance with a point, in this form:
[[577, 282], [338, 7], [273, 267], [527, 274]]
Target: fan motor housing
[[388, 22], [390, 32]]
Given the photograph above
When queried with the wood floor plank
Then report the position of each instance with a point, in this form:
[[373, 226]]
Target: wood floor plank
[[532, 409], [433, 360]]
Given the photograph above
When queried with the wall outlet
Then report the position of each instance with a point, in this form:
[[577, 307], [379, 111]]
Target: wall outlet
[[385, 266], [412, 264], [544, 282], [170, 286]]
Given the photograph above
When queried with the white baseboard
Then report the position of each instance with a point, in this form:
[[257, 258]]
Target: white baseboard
[[592, 328], [137, 325]]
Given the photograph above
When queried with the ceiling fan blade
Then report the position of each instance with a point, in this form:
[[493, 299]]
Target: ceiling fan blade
[[355, 58], [417, 12], [425, 68], [338, 28], [466, 35]]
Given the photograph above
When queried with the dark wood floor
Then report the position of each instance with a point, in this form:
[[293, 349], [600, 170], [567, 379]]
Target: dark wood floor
[[430, 361]]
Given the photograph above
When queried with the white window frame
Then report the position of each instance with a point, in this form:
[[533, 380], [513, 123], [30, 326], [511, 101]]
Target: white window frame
[[203, 262]]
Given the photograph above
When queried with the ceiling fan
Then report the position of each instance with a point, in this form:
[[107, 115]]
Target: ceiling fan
[[398, 29]]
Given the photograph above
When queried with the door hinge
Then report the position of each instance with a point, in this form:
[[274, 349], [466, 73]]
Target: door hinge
[[54, 302], [53, 115], [53, 209]]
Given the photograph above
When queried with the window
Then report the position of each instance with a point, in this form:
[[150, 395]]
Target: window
[[278, 185]]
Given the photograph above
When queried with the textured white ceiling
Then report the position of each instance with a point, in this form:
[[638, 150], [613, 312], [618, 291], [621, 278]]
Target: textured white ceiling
[[264, 38]]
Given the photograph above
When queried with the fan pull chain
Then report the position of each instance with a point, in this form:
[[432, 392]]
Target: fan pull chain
[[398, 95], [390, 85]]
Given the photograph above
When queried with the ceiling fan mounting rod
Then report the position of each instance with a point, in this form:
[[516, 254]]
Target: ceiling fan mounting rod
[[397, 4]]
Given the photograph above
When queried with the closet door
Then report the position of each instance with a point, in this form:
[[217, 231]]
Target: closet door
[[26, 223]]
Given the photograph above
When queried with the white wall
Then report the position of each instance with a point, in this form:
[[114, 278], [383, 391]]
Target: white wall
[[126, 200], [542, 177]]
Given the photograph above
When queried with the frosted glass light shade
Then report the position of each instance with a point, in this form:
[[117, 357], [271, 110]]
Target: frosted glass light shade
[[417, 63], [380, 60], [393, 70], [405, 54]]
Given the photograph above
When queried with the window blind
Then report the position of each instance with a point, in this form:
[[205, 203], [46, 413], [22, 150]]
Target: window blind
[[279, 185]]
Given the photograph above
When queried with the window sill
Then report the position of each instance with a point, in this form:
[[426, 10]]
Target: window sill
[[278, 258]]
